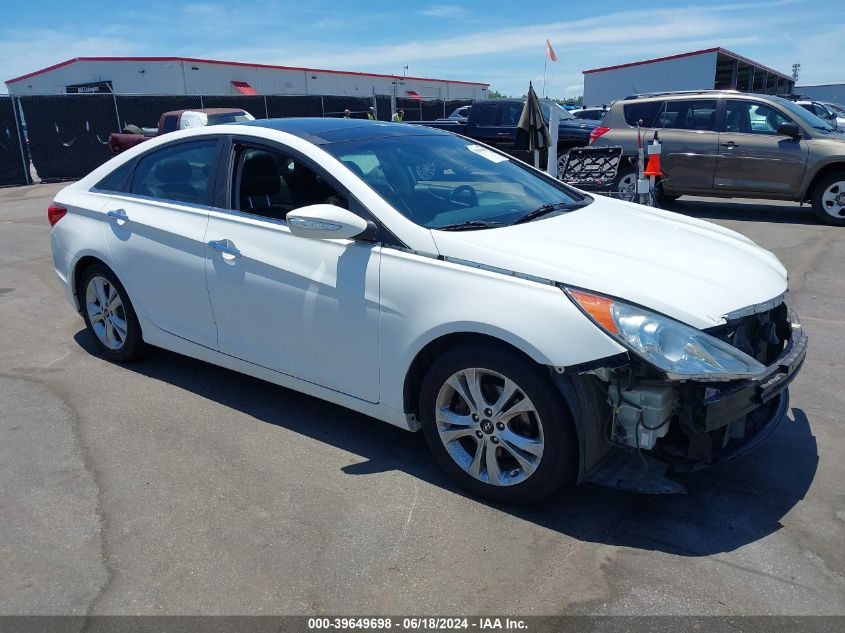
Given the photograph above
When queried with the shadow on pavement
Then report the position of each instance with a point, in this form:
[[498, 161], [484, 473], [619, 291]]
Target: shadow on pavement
[[735, 209], [728, 506]]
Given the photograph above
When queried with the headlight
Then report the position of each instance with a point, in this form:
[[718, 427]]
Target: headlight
[[678, 349]]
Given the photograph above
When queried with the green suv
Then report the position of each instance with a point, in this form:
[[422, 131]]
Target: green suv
[[735, 145]]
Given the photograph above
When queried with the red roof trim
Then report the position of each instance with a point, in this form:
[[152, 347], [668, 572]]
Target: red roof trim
[[717, 49], [43, 70], [242, 64]]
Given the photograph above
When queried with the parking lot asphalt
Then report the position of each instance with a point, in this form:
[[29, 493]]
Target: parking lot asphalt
[[170, 486]]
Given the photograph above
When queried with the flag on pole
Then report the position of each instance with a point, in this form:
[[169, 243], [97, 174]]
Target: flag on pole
[[550, 52]]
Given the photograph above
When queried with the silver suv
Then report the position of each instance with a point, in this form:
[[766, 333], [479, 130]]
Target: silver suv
[[733, 144]]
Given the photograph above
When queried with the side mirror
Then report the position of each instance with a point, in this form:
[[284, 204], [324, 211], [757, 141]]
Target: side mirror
[[790, 129], [325, 222]]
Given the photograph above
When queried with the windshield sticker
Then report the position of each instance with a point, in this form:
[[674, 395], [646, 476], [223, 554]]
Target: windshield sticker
[[490, 155]]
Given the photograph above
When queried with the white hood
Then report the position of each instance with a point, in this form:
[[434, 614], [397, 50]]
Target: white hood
[[692, 270]]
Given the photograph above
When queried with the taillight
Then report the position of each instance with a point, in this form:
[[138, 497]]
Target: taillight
[[55, 213], [597, 132]]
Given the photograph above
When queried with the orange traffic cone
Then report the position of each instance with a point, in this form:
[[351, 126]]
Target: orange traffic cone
[[653, 166]]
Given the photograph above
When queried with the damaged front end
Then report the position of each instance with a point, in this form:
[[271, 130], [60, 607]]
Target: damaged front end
[[663, 421]]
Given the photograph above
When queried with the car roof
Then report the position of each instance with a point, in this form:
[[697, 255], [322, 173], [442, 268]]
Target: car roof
[[322, 131], [207, 111], [681, 94]]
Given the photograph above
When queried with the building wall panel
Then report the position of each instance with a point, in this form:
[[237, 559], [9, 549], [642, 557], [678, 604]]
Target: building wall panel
[[696, 72], [828, 92], [185, 77]]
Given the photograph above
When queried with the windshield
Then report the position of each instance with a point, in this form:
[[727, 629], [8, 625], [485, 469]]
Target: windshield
[[446, 180], [546, 106], [805, 116], [229, 117]]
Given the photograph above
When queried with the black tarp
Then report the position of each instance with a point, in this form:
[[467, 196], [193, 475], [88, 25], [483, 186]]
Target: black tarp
[[432, 109], [283, 106], [11, 160], [383, 107], [412, 108], [146, 110], [334, 106], [68, 134]]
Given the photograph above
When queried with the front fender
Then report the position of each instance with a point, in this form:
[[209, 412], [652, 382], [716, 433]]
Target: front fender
[[424, 298]]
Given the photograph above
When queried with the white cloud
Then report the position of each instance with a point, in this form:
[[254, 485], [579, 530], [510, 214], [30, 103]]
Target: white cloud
[[31, 50], [505, 56], [445, 11]]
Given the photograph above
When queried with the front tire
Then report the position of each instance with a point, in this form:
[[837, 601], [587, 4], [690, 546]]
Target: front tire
[[109, 315], [829, 199], [497, 425]]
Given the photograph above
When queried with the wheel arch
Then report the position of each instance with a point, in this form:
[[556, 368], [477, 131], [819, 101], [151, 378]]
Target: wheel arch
[[78, 268], [442, 342], [579, 394], [821, 174]]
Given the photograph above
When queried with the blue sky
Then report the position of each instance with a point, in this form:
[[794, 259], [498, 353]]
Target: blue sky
[[496, 41]]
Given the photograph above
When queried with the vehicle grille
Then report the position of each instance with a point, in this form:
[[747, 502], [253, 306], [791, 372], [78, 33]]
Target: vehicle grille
[[762, 336]]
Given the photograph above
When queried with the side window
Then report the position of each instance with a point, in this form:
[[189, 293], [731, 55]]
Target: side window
[[178, 172], [821, 112], [511, 113], [270, 184], [689, 115], [117, 179], [486, 114], [645, 112], [750, 117], [170, 124]]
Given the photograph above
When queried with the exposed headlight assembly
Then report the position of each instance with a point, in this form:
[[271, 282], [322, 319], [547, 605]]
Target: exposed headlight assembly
[[679, 350]]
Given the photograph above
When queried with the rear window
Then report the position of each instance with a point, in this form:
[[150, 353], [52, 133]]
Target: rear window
[[689, 115], [179, 173], [645, 113], [116, 180], [511, 113]]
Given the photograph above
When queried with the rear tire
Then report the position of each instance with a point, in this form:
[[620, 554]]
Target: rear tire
[[662, 198], [109, 315], [514, 448], [625, 184], [829, 199]]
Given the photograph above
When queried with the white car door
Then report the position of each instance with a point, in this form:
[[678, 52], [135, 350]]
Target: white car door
[[155, 234], [308, 308]]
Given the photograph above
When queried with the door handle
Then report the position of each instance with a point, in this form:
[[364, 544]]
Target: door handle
[[117, 214], [503, 134], [225, 247], [729, 144]]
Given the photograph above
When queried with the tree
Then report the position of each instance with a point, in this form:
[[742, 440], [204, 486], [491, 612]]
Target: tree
[[495, 94]]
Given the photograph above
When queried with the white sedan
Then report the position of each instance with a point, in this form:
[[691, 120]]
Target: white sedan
[[534, 333]]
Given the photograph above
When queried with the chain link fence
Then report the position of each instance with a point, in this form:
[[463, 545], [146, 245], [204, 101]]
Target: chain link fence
[[68, 133]]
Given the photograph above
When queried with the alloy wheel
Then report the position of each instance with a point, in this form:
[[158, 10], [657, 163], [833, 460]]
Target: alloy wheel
[[626, 186], [106, 312], [833, 200], [489, 426]]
